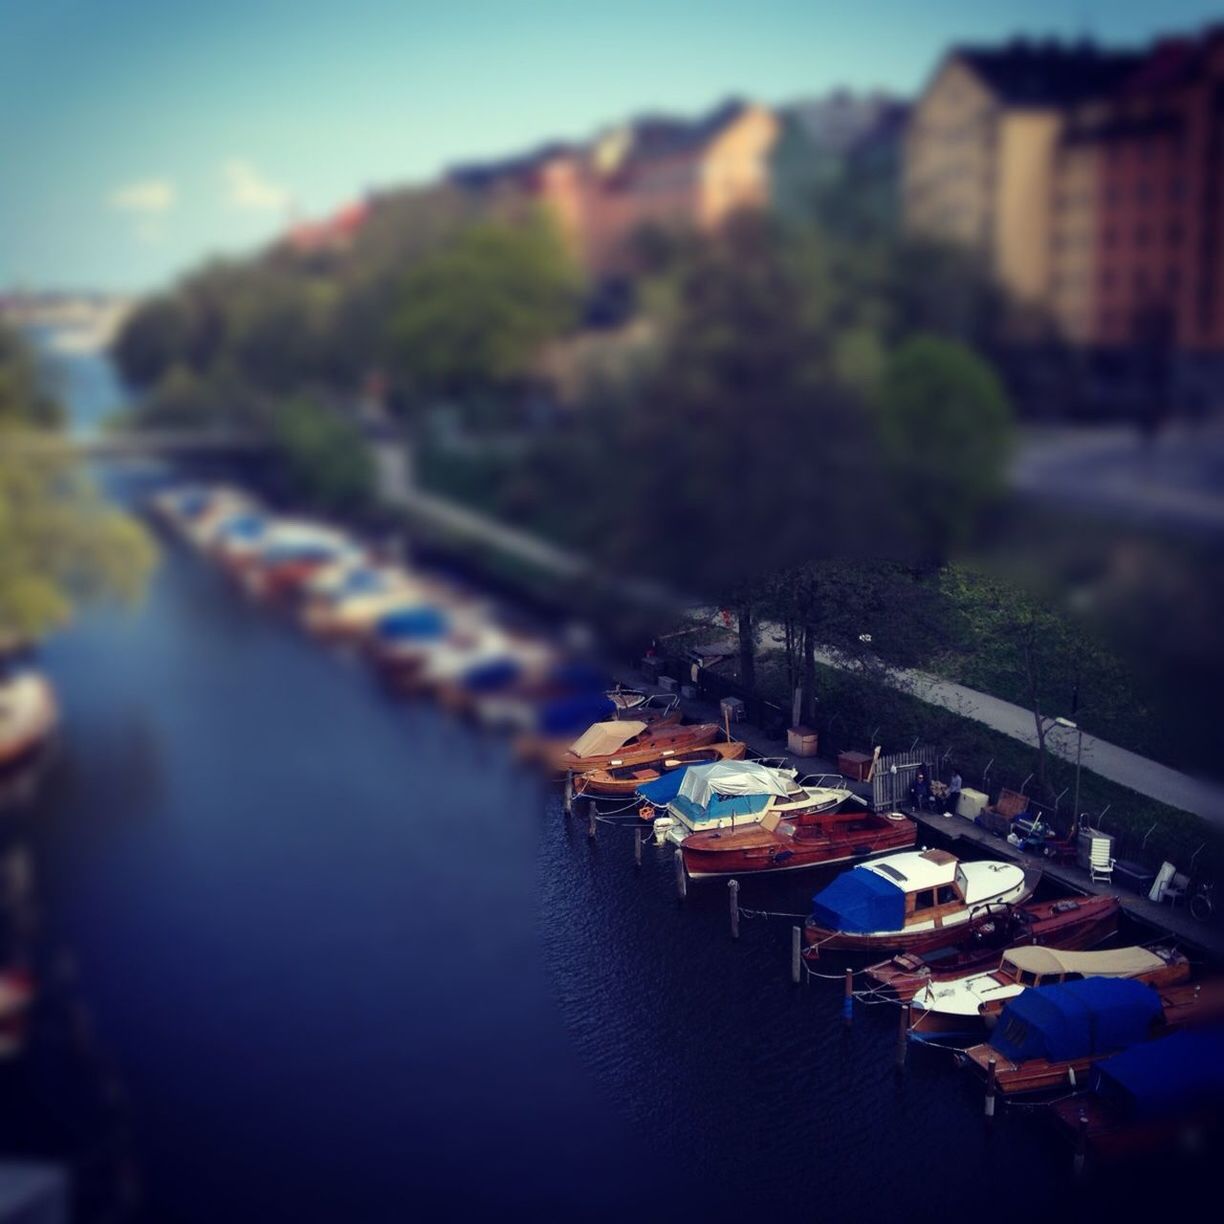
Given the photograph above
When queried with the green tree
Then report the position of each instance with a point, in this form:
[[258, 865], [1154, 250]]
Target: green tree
[[473, 315], [945, 429], [324, 458], [60, 542]]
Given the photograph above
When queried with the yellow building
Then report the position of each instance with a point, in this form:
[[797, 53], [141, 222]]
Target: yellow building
[[982, 152]]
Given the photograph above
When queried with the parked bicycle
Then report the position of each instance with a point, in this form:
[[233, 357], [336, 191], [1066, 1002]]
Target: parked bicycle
[[1202, 900]]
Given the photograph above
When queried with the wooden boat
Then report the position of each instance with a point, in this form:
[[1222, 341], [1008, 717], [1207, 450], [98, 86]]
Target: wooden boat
[[1050, 1036], [1149, 1098], [740, 794], [348, 613], [628, 742], [16, 995], [547, 749], [962, 1006], [29, 714], [909, 900], [622, 781], [789, 843], [1068, 922], [284, 566]]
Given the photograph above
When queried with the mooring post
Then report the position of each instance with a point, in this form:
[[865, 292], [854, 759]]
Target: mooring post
[[848, 997], [990, 1088], [903, 1036], [681, 878], [733, 889], [1081, 1144], [637, 846], [568, 802], [591, 819], [796, 954]]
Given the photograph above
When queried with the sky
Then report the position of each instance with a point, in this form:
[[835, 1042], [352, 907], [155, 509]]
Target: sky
[[140, 137]]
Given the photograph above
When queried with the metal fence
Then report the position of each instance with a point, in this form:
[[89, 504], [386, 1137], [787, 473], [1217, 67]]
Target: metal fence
[[894, 775]]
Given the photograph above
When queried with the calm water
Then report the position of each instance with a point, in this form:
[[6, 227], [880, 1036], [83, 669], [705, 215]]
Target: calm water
[[316, 955]]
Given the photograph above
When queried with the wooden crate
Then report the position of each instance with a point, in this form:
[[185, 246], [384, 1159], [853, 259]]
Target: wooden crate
[[802, 741], [854, 765]]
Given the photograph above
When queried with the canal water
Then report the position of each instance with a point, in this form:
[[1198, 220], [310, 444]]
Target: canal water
[[313, 954]]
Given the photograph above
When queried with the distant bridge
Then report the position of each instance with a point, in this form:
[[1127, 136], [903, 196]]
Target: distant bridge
[[146, 443]]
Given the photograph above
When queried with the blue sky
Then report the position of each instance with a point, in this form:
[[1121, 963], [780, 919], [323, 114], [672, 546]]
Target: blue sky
[[141, 136]]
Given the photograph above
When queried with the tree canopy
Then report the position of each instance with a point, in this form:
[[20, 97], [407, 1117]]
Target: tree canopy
[[474, 314], [61, 543]]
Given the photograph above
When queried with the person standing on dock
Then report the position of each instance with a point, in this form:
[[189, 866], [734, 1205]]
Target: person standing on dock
[[952, 799]]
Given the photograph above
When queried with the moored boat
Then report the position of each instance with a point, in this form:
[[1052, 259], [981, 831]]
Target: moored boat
[[16, 995], [1066, 922], [909, 900], [1155, 1095], [623, 781], [552, 740], [1049, 1036], [738, 794], [810, 838], [628, 741], [29, 714], [961, 1007]]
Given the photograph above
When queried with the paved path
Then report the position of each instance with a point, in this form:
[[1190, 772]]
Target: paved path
[[1175, 479], [1128, 769], [1147, 777]]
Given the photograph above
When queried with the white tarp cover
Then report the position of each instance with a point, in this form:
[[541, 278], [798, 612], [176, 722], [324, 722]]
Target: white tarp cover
[[702, 782], [1113, 962], [605, 737]]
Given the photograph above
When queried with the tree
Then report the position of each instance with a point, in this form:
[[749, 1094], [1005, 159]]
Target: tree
[[473, 315], [1038, 649], [324, 458], [945, 429], [60, 543]]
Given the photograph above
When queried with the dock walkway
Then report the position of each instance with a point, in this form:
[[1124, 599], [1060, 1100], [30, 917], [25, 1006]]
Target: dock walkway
[[1205, 938]]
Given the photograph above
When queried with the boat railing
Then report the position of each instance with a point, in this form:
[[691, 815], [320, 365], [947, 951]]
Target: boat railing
[[824, 781]]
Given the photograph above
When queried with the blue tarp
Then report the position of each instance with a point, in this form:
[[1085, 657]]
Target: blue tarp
[[1159, 1077], [719, 808], [492, 675], [279, 554], [578, 676], [574, 714], [409, 623], [1076, 1019], [664, 788], [243, 527], [361, 582], [859, 901]]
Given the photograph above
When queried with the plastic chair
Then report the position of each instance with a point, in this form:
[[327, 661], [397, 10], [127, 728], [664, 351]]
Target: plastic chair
[[1100, 864], [1177, 888]]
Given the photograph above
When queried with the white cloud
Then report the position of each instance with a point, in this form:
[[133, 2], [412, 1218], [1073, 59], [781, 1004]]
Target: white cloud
[[246, 188], [148, 197]]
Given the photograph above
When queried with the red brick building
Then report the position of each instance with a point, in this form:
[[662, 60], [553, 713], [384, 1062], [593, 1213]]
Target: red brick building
[[1138, 235]]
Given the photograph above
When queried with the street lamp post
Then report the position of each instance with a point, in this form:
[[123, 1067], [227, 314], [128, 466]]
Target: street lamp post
[[1079, 753]]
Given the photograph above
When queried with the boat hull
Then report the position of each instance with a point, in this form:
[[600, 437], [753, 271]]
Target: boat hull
[[623, 782], [1088, 922], [819, 938], [760, 852]]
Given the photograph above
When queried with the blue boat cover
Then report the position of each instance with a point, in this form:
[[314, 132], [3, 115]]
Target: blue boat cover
[[1075, 1019], [719, 807], [243, 527], [492, 675], [279, 554], [859, 901], [409, 623], [664, 788], [576, 713], [361, 582], [579, 676], [1160, 1077]]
